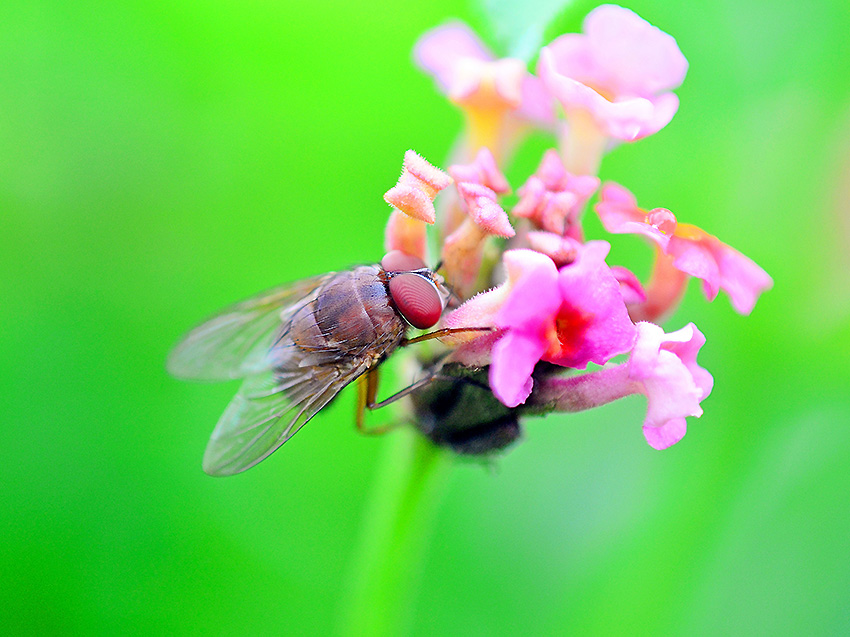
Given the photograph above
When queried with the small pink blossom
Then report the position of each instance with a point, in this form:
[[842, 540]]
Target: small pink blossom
[[484, 209], [665, 365], [416, 188], [490, 90], [569, 317], [694, 251], [553, 198], [412, 199], [478, 185], [466, 70], [619, 71], [592, 324], [459, 61], [483, 170], [661, 366]]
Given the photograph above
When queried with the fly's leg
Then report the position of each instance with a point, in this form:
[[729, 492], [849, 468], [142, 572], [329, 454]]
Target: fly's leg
[[368, 393], [368, 383], [366, 400], [443, 332]]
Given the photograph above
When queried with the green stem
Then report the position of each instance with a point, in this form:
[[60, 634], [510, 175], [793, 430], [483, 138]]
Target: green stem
[[394, 535]]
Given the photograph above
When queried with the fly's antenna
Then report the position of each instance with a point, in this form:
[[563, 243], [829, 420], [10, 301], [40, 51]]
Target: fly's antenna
[[454, 300]]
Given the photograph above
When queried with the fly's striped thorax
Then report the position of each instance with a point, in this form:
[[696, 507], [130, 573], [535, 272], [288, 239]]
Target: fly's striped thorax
[[351, 315]]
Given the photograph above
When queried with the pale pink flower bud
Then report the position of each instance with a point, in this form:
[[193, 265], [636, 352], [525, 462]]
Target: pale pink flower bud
[[484, 209], [553, 198], [483, 170], [416, 188]]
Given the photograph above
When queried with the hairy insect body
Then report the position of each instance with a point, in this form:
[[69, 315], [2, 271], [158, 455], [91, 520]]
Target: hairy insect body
[[351, 316]]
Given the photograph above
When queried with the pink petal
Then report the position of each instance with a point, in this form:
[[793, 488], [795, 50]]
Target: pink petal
[[623, 119], [440, 49], [479, 311], [551, 171], [671, 388], [686, 344], [411, 201], [720, 267], [514, 358], [417, 186], [574, 58], [483, 209], [429, 175], [532, 199], [508, 75], [560, 212], [562, 250], [483, 170], [618, 211], [538, 277], [630, 286], [593, 323], [665, 107], [742, 279], [537, 105], [665, 435], [634, 57], [534, 296], [615, 194]]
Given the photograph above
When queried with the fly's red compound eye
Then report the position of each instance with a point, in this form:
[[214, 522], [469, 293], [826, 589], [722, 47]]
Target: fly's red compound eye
[[398, 261], [417, 299]]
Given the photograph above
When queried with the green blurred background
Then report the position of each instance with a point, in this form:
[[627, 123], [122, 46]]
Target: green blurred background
[[159, 160]]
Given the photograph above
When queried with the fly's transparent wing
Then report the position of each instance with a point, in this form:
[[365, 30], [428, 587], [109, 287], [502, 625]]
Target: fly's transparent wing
[[235, 342], [269, 409]]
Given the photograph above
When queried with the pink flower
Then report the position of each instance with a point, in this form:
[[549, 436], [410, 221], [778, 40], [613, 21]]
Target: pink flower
[[488, 89], [412, 199], [483, 170], [553, 198], [484, 209], [694, 251], [478, 185], [619, 71], [417, 186], [661, 366], [569, 317], [665, 366]]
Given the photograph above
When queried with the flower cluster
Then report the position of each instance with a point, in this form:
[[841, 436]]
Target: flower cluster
[[552, 301]]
